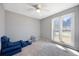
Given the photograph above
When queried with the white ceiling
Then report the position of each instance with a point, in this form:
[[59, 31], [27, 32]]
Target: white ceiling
[[48, 8]]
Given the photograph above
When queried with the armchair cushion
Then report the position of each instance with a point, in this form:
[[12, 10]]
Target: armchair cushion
[[14, 43]]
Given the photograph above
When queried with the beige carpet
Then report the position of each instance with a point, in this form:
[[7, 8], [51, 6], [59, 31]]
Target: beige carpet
[[43, 49]]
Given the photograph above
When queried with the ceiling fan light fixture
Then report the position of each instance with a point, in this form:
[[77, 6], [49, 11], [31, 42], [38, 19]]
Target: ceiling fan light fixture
[[38, 10]]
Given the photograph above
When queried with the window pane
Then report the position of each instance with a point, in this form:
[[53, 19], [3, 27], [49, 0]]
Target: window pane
[[56, 30], [62, 29], [66, 30]]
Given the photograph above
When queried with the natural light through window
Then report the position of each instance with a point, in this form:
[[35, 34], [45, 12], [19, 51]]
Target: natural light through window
[[62, 29]]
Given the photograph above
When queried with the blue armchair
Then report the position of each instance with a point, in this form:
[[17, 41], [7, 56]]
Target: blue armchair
[[9, 48]]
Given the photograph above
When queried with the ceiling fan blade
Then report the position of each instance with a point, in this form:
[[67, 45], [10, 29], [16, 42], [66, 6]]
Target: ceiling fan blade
[[34, 7], [31, 6], [43, 9], [30, 9]]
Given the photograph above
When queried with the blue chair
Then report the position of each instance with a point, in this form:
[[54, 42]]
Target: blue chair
[[9, 48]]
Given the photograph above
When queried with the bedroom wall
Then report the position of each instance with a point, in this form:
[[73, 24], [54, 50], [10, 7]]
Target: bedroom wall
[[45, 25], [2, 22], [45, 29], [20, 27]]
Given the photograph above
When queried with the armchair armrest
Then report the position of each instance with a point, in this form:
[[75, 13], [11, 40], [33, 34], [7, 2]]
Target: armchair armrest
[[10, 44]]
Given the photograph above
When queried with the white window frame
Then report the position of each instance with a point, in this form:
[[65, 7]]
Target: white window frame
[[73, 28]]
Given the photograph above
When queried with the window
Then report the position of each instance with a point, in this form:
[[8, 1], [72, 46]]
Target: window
[[62, 29]]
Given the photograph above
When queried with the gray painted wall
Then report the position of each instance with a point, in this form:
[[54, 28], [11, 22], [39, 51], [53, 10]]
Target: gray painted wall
[[45, 29], [45, 25], [2, 22], [20, 27]]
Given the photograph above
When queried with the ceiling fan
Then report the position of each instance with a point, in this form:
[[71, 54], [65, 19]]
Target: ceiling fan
[[37, 7]]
